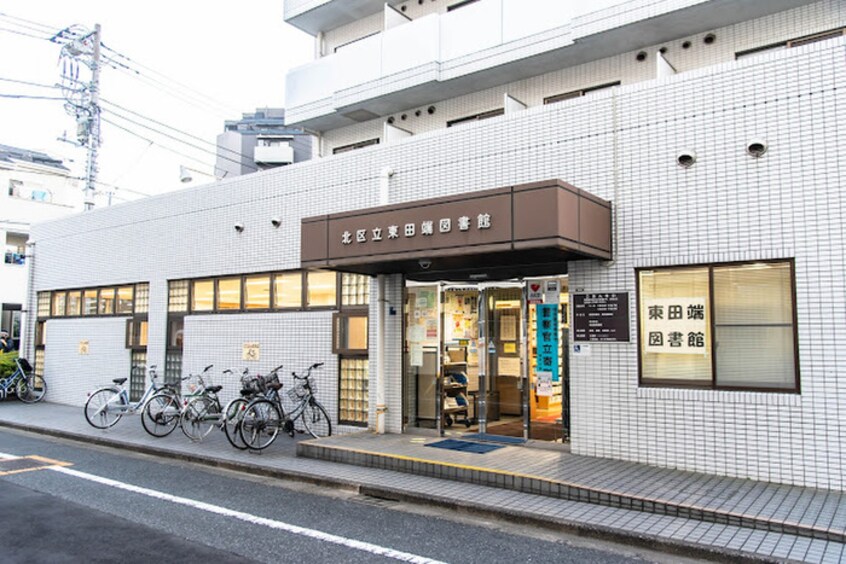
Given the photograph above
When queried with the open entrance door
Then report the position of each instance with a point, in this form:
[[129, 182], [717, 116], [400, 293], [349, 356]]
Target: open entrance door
[[486, 359]]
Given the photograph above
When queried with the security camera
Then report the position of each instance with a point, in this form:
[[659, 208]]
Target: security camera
[[425, 264], [685, 159], [239, 227], [276, 221], [756, 148]]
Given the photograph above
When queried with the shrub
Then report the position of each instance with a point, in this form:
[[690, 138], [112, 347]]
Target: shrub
[[7, 363]]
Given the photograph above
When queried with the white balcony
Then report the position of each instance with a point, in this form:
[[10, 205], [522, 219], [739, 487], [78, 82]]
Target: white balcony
[[276, 154], [488, 43]]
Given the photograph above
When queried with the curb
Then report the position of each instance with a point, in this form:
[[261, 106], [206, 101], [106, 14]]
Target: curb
[[651, 542]]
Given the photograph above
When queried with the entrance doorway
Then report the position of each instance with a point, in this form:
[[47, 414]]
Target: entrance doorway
[[487, 358]]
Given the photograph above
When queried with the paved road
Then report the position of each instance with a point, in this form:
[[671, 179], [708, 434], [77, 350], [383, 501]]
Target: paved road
[[109, 505]]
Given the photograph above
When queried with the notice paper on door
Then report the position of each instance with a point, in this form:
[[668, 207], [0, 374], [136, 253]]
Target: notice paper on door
[[508, 328]]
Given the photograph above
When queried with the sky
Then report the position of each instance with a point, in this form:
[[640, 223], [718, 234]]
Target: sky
[[220, 59]]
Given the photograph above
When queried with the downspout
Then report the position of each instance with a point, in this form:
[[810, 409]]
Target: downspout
[[381, 301], [31, 312]]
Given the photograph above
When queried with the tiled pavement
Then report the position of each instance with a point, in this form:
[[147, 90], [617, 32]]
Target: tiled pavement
[[812, 513]]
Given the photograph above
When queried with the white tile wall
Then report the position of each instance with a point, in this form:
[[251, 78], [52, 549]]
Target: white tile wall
[[620, 146]]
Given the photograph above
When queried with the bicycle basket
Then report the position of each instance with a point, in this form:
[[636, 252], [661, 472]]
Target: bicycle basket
[[271, 381], [299, 391], [254, 384]]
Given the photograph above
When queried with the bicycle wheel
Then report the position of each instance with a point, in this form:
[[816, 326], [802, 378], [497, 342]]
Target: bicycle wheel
[[316, 421], [104, 408], [261, 424], [160, 414], [31, 389], [199, 417], [232, 416]]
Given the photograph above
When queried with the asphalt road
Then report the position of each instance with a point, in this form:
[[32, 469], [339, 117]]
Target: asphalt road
[[108, 505]]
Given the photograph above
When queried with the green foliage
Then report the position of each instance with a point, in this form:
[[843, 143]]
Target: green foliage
[[7, 364]]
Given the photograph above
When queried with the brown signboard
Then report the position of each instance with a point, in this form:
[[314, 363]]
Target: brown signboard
[[541, 223], [601, 317]]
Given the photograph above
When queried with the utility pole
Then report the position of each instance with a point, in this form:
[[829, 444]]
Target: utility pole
[[82, 99]]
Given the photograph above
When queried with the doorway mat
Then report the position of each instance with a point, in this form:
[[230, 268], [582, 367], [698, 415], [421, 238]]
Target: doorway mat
[[496, 438], [464, 446]]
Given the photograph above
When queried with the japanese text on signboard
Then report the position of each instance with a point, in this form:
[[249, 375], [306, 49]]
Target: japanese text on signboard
[[425, 228], [675, 325], [547, 336]]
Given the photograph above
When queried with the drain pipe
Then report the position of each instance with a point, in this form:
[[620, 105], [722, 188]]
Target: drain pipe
[[381, 301]]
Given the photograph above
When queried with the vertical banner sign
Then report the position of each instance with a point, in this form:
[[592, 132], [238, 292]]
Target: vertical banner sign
[[675, 325], [547, 333]]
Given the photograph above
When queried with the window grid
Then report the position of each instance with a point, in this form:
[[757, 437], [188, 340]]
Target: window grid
[[43, 304], [353, 394], [355, 290], [177, 296]]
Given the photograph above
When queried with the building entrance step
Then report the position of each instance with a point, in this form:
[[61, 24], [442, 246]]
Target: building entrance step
[[776, 508]]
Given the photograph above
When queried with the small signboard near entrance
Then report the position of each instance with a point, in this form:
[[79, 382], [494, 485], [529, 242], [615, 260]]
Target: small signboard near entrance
[[602, 317], [535, 292]]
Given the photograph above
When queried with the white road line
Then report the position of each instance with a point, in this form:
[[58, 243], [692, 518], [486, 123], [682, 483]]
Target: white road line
[[5, 456], [311, 533]]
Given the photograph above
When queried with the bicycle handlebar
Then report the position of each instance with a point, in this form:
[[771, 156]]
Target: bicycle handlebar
[[207, 368], [277, 369], [308, 371]]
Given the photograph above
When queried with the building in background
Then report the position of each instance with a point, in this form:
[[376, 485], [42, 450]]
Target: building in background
[[614, 225], [33, 187], [259, 141]]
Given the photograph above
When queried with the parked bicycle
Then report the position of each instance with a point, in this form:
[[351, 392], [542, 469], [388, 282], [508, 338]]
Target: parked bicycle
[[264, 417], [108, 404], [162, 413], [202, 411], [28, 386], [252, 387]]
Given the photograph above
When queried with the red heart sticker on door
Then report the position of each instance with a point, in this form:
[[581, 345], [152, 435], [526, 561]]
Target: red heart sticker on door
[[535, 287]]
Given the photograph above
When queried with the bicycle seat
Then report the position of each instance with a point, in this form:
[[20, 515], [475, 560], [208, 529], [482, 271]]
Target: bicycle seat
[[274, 385], [247, 392], [214, 389], [119, 381]]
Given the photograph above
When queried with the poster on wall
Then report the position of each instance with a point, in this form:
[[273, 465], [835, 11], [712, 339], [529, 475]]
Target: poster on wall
[[250, 351], [543, 381], [83, 347], [675, 326]]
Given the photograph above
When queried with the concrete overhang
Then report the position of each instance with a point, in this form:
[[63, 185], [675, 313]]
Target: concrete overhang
[[322, 15]]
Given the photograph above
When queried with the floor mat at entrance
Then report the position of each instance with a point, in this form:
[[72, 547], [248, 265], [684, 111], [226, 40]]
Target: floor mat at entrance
[[464, 446]]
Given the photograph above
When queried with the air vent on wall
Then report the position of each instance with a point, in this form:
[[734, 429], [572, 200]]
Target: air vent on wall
[[360, 115]]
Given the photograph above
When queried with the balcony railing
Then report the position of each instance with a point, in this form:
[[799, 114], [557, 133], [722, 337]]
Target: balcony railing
[[431, 39], [274, 154]]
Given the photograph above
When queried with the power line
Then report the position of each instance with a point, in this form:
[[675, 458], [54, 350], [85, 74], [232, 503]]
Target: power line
[[26, 97], [189, 144], [148, 140], [32, 24], [38, 84], [218, 148], [218, 103], [7, 30]]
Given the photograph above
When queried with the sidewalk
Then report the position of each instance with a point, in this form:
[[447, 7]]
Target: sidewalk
[[681, 512]]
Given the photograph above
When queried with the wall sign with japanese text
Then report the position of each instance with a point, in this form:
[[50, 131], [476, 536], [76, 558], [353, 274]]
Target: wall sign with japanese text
[[675, 325], [547, 335], [602, 317]]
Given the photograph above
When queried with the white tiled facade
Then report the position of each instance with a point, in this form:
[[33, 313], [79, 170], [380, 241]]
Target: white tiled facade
[[620, 145]]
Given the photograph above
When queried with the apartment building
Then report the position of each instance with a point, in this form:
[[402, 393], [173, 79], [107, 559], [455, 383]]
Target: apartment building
[[613, 227], [259, 141], [35, 187]]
